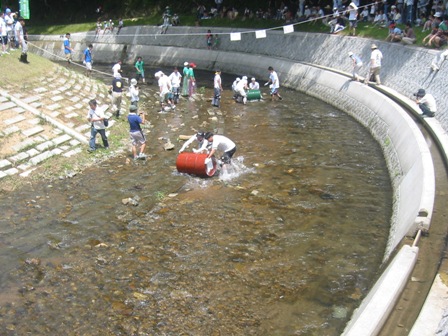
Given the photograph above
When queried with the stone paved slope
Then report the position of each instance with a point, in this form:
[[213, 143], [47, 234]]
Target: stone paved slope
[[47, 118]]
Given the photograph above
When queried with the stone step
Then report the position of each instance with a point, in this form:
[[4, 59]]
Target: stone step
[[33, 131]]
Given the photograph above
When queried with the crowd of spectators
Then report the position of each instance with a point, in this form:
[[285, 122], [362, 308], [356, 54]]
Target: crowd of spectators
[[400, 17]]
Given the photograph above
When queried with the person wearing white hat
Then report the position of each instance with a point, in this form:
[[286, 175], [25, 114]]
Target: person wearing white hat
[[353, 17], [241, 88], [134, 92], [254, 85], [165, 89], [234, 84], [357, 64], [376, 58]]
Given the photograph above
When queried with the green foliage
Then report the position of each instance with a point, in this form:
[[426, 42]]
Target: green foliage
[[153, 16]]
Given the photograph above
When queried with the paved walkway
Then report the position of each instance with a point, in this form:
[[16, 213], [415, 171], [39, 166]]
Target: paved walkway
[[46, 120]]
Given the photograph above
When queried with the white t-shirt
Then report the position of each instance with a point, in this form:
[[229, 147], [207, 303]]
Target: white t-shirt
[[353, 14], [9, 22], [274, 80], [18, 30], [222, 143], [254, 86], [217, 81], [164, 84], [97, 113], [429, 101], [3, 27], [175, 79], [116, 70], [375, 58], [241, 85], [134, 93]]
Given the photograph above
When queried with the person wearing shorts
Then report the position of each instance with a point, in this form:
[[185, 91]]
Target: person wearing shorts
[[88, 60], [138, 139], [222, 143], [67, 49], [275, 83]]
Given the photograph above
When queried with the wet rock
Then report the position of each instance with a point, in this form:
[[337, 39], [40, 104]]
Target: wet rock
[[130, 201], [254, 192], [293, 192], [33, 261], [140, 296], [101, 261], [327, 196]]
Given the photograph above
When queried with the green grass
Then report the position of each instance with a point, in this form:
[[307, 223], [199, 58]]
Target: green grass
[[365, 29]]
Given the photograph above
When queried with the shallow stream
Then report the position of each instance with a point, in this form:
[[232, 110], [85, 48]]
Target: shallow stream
[[287, 245]]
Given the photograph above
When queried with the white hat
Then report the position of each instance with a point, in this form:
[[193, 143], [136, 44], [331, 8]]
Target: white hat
[[158, 74], [350, 53], [438, 14], [133, 81], [253, 78], [238, 79], [186, 63], [245, 77]]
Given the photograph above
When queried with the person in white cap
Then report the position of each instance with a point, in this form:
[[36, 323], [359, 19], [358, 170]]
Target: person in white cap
[[426, 102], [353, 17], [134, 92], [254, 85], [376, 58], [357, 64], [234, 84], [241, 88], [164, 89]]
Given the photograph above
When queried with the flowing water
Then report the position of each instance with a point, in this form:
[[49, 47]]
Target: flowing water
[[288, 243]]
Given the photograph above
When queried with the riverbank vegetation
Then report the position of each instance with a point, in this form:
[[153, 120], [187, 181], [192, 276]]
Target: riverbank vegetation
[[152, 16]]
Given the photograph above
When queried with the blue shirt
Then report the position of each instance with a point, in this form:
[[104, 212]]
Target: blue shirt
[[134, 122], [88, 55], [67, 46]]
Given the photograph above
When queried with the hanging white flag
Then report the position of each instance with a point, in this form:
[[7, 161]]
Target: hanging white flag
[[260, 34], [288, 29], [235, 36]]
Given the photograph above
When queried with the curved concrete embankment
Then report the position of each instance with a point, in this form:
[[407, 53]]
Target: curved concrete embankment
[[407, 155]]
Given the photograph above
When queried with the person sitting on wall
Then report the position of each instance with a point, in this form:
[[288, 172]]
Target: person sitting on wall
[[426, 102]]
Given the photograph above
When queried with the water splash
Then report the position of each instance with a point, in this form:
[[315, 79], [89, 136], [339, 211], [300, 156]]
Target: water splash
[[233, 170]]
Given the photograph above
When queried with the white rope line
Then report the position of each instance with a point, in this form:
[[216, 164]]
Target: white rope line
[[72, 62]]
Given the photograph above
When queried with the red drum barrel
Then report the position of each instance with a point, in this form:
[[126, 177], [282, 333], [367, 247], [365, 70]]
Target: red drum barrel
[[192, 163]]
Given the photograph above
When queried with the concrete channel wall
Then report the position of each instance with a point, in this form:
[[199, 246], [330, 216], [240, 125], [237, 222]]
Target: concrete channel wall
[[316, 64]]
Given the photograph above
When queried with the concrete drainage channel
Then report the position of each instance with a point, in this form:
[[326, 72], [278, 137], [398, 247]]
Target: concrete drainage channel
[[405, 149]]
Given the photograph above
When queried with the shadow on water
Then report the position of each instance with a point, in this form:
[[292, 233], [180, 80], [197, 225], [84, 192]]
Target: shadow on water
[[287, 243]]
